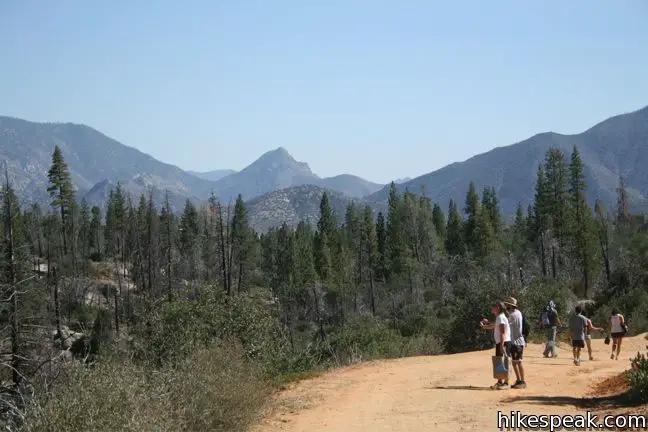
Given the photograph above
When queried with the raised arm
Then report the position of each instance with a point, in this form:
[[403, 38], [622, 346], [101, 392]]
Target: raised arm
[[591, 326], [486, 325]]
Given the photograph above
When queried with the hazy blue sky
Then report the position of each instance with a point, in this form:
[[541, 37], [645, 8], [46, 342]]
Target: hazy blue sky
[[375, 88]]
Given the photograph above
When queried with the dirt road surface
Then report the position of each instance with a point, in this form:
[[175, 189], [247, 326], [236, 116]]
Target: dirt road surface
[[442, 393]]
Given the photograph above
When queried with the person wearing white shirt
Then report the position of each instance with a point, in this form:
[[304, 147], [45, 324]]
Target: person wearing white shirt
[[518, 342], [501, 334], [618, 329]]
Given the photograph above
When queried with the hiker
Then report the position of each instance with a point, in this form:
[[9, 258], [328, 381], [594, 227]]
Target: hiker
[[578, 326], [502, 336], [618, 329], [518, 341], [588, 336], [550, 322]]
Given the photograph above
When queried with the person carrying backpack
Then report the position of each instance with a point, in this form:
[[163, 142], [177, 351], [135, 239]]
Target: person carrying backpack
[[519, 333], [550, 322]]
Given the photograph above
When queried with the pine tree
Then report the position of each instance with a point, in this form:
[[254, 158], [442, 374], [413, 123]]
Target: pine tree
[[166, 241], [520, 232], [152, 244], [241, 242], [85, 237], [325, 244], [189, 230], [439, 221], [490, 204], [483, 236], [540, 219], [454, 242], [352, 240], [557, 200], [395, 233], [305, 273], [603, 230], [110, 228], [62, 193], [34, 229], [580, 218], [95, 234], [472, 210], [382, 270], [623, 212], [369, 245], [115, 229], [14, 272]]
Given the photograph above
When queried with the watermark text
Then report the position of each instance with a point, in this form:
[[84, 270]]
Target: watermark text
[[517, 421]]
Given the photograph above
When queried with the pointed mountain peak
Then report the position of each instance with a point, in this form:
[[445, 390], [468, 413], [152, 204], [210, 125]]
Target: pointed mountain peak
[[278, 154], [280, 163]]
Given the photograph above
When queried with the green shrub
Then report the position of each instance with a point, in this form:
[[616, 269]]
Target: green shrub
[[471, 301], [365, 338], [184, 325], [536, 296], [638, 377]]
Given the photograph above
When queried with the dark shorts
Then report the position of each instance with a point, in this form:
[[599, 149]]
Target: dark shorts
[[618, 335], [578, 343], [516, 351], [507, 348]]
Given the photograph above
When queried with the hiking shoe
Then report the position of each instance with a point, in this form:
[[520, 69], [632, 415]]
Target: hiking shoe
[[503, 386], [519, 385]]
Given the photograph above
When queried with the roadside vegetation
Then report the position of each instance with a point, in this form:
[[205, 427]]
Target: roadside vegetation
[[137, 316]]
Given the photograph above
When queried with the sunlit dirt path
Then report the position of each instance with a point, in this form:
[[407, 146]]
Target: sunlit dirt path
[[441, 393]]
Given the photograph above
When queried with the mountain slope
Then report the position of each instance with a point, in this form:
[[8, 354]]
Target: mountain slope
[[350, 185], [297, 203], [92, 157], [212, 175], [276, 170], [616, 146]]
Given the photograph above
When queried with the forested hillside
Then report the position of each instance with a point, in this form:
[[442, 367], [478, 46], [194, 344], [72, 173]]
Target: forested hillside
[[139, 319], [617, 146]]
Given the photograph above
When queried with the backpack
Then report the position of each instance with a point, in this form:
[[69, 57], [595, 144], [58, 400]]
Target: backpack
[[526, 329], [544, 318]]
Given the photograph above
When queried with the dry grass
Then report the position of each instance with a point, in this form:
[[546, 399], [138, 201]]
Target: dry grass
[[212, 390]]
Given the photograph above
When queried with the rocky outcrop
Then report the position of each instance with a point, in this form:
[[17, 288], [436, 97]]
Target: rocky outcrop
[[68, 339]]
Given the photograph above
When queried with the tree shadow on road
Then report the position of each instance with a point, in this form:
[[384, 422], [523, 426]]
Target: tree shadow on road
[[459, 387], [622, 400]]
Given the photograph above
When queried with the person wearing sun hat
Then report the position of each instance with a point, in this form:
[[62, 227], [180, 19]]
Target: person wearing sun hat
[[518, 342]]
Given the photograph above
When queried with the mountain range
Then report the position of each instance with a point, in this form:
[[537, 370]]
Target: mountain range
[[614, 148], [279, 188]]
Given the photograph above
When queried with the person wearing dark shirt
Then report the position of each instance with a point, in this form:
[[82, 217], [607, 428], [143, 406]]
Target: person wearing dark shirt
[[578, 326], [550, 322]]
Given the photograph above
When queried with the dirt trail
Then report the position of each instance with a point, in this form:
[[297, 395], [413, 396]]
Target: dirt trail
[[443, 393]]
